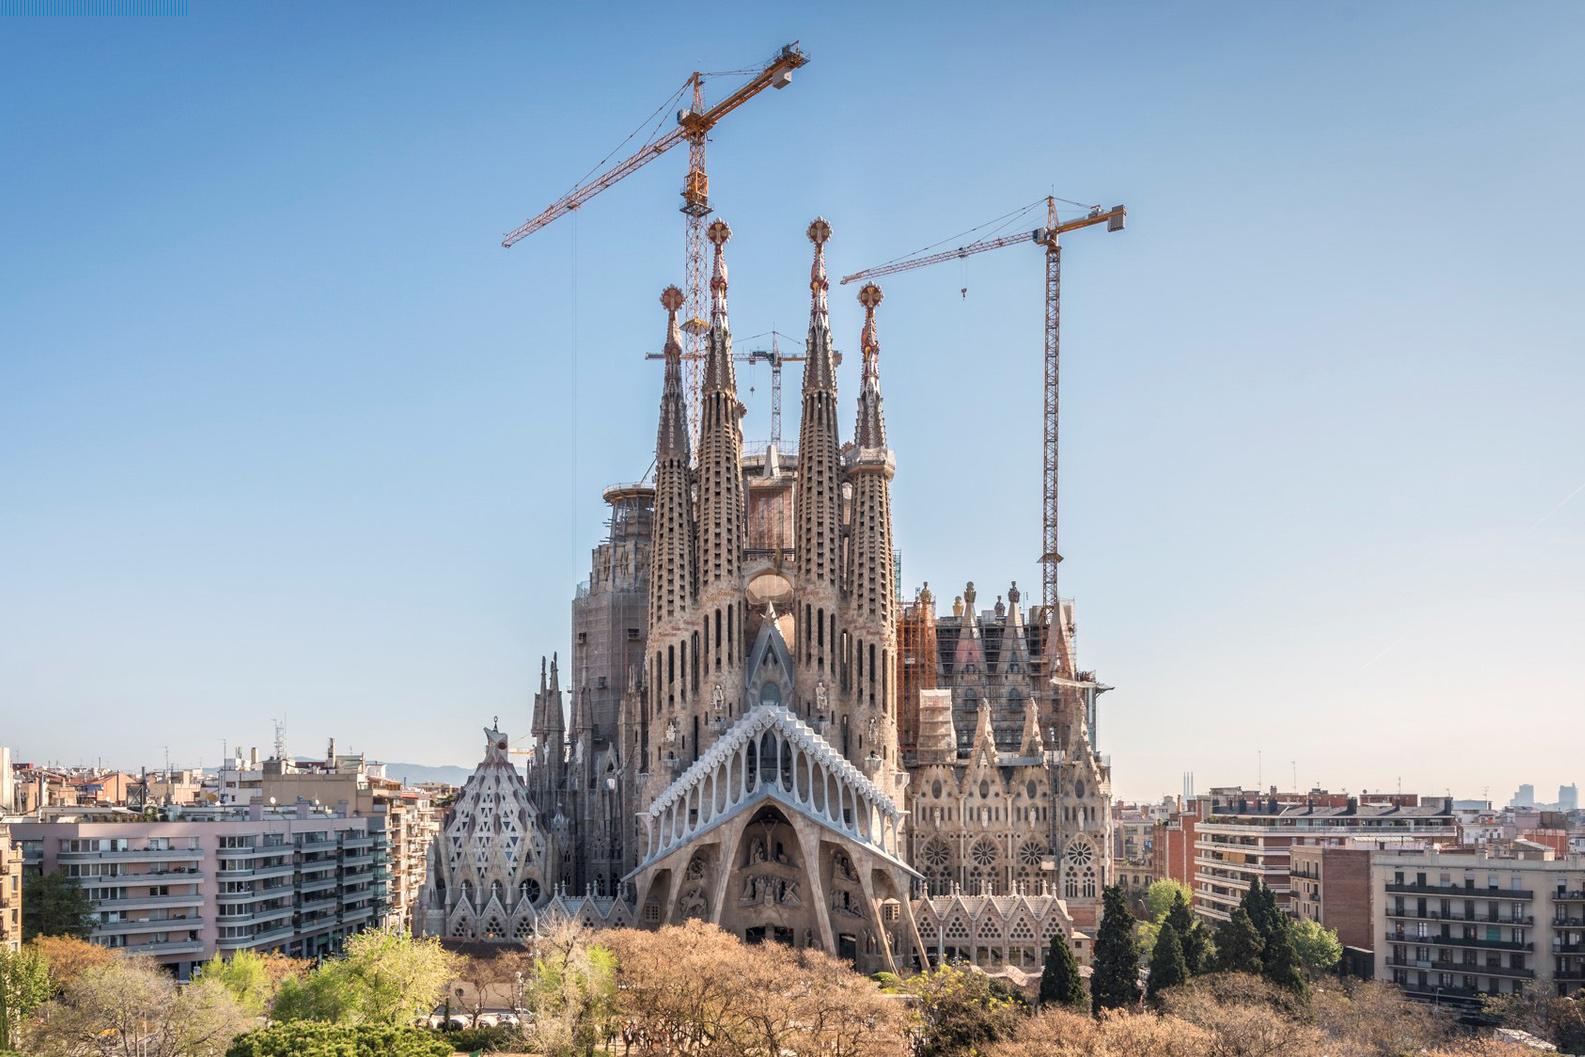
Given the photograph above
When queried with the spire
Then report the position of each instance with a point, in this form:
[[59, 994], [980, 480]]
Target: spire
[[820, 372], [870, 433], [1031, 744], [719, 374], [672, 438]]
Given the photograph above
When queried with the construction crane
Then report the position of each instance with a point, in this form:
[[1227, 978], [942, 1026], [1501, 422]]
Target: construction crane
[[1046, 237], [775, 358], [694, 123]]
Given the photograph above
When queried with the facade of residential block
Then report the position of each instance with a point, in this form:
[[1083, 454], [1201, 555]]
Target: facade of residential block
[[1453, 926], [297, 883], [1242, 837], [10, 890]]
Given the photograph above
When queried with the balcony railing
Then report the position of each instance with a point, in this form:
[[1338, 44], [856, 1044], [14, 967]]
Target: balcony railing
[[258, 873], [194, 899], [1458, 941], [1436, 915], [133, 855], [1411, 888], [1461, 969], [122, 928], [165, 947]]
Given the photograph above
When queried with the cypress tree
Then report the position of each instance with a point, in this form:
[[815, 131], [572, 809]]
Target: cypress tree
[[1280, 963], [1238, 945], [1190, 934], [1167, 965], [1114, 981], [1260, 902], [1060, 983]]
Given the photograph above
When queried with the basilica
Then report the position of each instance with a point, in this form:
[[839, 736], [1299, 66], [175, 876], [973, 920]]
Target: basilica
[[753, 728]]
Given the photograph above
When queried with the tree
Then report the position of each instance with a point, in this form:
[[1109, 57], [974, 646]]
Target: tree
[[246, 975], [1317, 946], [572, 991], [1376, 1019], [1061, 1033], [131, 1006], [1238, 944], [1114, 981], [1191, 934], [1280, 962], [1060, 983], [1560, 1021], [384, 978], [1246, 1016], [24, 986], [1260, 903], [958, 1010], [55, 905], [70, 957], [308, 1039], [1161, 895], [1167, 967], [695, 990]]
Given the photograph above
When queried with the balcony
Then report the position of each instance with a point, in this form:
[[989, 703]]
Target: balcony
[[149, 902], [318, 884], [1569, 897], [133, 855], [1436, 915], [259, 873], [257, 851], [124, 928], [256, 917], [317, 845], [361, 841], [355, 914], [357, 860], [1461, 969], [258, 939], [1559, 947], [167, 947], [318, 866], [1457, 941], [328, 902], [1410, 888]]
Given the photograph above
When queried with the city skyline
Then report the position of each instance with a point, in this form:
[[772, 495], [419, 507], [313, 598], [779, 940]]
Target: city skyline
[[285, 434]]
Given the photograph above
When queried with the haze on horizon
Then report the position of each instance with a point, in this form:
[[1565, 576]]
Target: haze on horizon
[[285, 433]]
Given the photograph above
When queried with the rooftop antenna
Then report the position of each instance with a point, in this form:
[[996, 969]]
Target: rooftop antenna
[[280, 739]]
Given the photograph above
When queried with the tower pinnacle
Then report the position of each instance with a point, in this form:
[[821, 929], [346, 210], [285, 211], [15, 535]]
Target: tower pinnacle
[[870, 433], [673, 435]]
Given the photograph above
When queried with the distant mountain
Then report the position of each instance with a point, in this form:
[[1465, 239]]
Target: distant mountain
[[413, 773]]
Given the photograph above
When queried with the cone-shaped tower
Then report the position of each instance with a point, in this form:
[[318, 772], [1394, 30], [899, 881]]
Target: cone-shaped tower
[[720, 484], [872, 599], [817, 521], [673, 584]]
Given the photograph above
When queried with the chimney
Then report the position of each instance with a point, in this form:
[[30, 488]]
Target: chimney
[[253, 758], [1353, 806]]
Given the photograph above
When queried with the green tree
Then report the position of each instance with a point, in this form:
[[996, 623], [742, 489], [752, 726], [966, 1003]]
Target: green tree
[[1161, 894], [246, 975], [572, 992], [1280, 962], [1191, 934], [55, 905], [1260, 903], [1317, 946], [957, 1010], [1167, 966], [1114, 981], [384, 978], [24, 986], [131, 1006], [1238, 945], [308, 1039], [1060, 982]]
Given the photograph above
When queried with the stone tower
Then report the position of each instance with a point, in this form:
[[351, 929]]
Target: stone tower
[[721, 536], [673, 580]]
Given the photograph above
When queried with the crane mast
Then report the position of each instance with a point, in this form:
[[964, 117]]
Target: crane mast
[[1047, 237]]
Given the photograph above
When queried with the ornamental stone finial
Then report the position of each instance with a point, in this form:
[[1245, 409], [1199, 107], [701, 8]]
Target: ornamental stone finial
[[671, 299], [718, 232], [870, 296]]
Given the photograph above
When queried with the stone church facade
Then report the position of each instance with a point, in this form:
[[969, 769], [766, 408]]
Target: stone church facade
[[741, 670]]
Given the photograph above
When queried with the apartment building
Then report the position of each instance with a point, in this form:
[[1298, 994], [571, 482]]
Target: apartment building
[[10, 890], [1242, 836], [294, 881], [1455, 925]]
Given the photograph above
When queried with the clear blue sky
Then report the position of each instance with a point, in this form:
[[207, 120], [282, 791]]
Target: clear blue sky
[[285, 433]]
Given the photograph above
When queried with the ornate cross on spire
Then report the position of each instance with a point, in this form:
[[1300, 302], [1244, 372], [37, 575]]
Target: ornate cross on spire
[[718, 233], [819, 232]]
